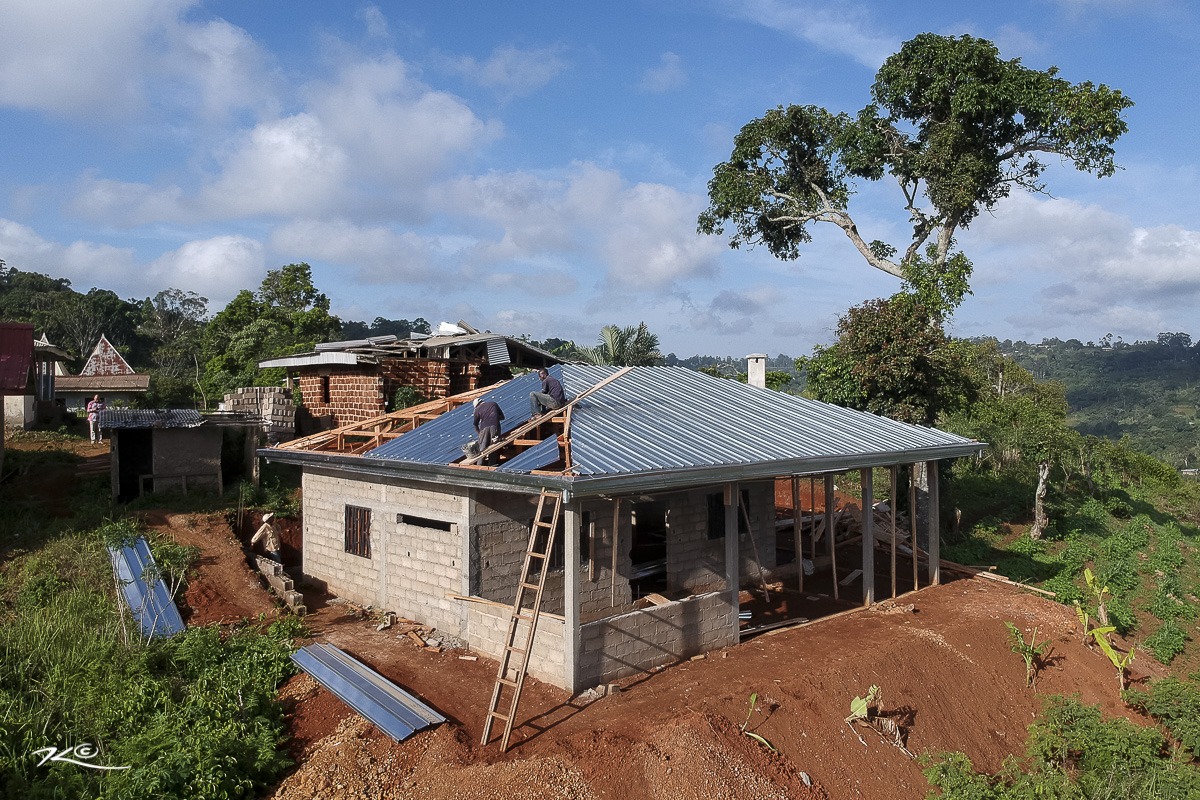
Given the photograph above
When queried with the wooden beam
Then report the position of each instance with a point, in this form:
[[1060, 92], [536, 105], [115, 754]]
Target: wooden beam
[[868, 534]]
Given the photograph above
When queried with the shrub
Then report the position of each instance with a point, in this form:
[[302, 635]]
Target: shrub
[[1176, 704], [1167, 642]]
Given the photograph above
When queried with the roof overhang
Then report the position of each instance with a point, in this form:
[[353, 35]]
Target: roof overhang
[[335, 358], [574, 487]]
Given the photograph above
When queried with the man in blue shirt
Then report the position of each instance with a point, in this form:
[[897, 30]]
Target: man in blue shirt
[[549, 398]]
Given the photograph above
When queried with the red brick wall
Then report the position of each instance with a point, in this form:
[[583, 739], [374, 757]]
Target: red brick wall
[[354, 395]]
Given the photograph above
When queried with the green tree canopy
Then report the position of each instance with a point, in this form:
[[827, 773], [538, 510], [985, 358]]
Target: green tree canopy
[[287, 315], [624, 347], [892, 358], [955, 125]]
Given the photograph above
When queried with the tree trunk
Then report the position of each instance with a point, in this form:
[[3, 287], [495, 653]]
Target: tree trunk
[[1040, 521]]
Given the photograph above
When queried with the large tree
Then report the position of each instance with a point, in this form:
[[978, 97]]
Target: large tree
[[955, 125]]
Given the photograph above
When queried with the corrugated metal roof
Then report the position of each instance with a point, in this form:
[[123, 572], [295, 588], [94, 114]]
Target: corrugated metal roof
[[337, 357], [114, 418], [101, 383], [16, 354], [393, 710], [540, 455], [670, 419], [498, 351], [150, 602]]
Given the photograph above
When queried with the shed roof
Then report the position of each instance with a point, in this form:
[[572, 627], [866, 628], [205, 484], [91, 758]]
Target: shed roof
[[16, 354], [661, 427], [150, 418], [101, 383]]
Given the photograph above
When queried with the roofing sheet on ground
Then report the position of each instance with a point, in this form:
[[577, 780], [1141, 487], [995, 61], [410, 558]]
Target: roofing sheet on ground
[[391, 709], [150, 602], [665, 418]]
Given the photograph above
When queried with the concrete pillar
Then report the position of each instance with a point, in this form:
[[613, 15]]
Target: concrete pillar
[[731, 553], [756, 370], [572, 637], [868, 537]]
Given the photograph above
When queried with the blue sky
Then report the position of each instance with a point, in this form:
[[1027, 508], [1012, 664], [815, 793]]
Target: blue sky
[[538, 168]]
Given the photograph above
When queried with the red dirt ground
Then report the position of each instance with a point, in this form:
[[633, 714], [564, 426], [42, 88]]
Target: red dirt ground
[[942, 657]]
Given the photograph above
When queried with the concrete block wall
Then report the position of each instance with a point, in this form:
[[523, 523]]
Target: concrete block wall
[[272, 404], [631, 643], [500, 524], [487, 627], [696, 563], [412, 567], [354, 394]]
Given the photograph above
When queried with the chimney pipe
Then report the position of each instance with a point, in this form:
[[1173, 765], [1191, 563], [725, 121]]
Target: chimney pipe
[[756, 370]]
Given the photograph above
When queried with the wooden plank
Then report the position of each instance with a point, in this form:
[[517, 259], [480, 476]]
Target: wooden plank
[[486, 602]]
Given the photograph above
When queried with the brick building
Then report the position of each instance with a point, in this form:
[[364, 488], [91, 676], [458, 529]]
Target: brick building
[[666, 478], [341, 383]]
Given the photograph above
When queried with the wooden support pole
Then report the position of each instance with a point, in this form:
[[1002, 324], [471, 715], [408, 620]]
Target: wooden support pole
[[830, 532], [935, 535], [616, 530], [591, 550], [798, 539], [812, 510], [892, 503], [912, 522], [731, 553], [868, 537]]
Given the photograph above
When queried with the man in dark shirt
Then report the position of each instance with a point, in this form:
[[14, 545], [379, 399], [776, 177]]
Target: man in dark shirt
[[549, 398], [487, 422]]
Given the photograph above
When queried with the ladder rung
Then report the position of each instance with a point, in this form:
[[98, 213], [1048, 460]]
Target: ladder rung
[[543, 523], [526, 617], [498, 714], [530, 585], [506, 682], [538, 555], [512, 649]]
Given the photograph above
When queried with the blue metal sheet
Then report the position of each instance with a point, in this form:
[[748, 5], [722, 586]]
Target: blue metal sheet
[[150, 603], [540, 455], [391, 709]]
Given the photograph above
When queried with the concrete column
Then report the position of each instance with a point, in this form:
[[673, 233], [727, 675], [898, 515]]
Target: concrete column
[[731, 552], [756, 370], [572, 635], [935, 535], [868, 537]]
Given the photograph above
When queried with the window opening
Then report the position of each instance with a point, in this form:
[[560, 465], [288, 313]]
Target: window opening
[[358, 531]]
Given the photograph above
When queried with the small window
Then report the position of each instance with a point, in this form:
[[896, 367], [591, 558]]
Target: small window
[[325, 389], [716, 514], [423, 522], [557, 557], [358, 531]]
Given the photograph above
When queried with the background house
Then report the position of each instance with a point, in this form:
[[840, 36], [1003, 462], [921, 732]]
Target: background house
[[344, 382], [34, 403], [107, 374], [16, 356], [667, 480]]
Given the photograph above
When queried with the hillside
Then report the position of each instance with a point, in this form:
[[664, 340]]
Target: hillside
[[1148, 391]]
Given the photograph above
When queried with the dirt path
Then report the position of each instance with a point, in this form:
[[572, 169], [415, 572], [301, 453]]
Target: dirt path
[[942, 658]]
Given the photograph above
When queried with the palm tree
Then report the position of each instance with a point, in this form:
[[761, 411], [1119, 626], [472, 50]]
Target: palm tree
[[624, 347]]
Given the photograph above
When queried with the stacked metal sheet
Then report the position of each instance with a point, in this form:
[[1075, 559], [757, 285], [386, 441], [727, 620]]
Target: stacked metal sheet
[[391, 709], [144, 591]]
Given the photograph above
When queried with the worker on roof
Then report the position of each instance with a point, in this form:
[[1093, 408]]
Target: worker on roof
[[269, 531], [549, 398], [487, 423]]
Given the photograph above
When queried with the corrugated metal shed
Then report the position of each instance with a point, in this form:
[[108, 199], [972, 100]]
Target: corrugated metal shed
[[393, 710], [150, 602], [150, 418], [16, 356]]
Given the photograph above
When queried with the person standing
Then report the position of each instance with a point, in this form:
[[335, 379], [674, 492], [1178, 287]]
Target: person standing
[[487, 422], [549, 398], [270, 532], [94, 407]]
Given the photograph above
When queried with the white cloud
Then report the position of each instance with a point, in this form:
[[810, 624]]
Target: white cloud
[[221, 66], [86, 264], [840, 26], [287, 166], [216, 268], [392, 127], [127, 204], [668, 75], [642, 234], [374, 20], [1090, 268], [377, 255], [512, 72]]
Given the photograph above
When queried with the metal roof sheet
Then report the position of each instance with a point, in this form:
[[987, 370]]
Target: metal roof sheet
[[393, 710], [150, 418], [101, 383], [335, 357], [540, 455], [16, 353], [149, 601], [498, 351], [657, 419]]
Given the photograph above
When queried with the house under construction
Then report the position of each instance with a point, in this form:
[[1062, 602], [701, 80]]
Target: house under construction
[[624, 523]]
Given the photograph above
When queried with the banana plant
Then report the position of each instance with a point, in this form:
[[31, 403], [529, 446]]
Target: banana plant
[[1119, 660]]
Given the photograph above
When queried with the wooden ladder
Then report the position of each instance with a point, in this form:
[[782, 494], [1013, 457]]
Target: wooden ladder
[[524, 609]]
